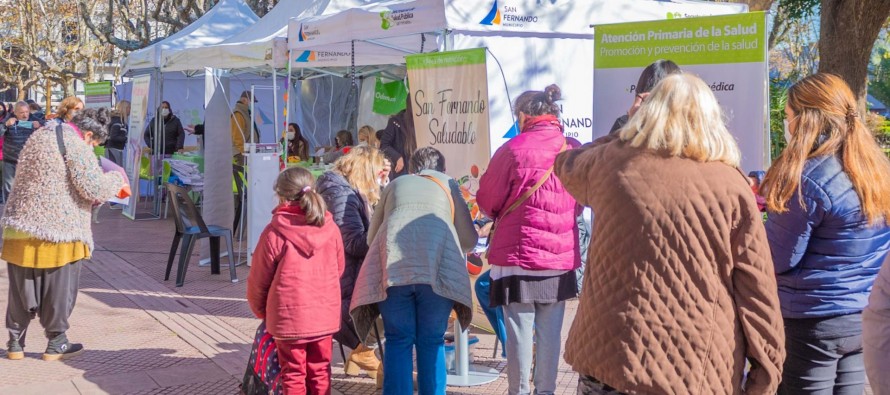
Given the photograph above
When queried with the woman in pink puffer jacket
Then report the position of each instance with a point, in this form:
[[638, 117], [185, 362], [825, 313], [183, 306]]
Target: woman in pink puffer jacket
[[534, 248]]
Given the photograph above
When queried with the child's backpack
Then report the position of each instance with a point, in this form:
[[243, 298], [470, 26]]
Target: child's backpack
[[263, 371]]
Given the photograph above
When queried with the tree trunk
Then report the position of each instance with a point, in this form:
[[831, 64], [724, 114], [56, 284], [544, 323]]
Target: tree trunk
[[20, 90], [849, 29]]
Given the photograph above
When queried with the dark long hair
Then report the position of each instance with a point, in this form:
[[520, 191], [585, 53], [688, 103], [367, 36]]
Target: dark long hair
[[406, 119], [654, 73]]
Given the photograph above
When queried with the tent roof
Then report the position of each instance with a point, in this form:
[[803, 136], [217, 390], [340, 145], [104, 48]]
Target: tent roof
[[261, 45], [554, 18], [225, 19]]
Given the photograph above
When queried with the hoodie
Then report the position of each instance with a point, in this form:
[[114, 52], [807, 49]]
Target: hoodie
[[294, 282]]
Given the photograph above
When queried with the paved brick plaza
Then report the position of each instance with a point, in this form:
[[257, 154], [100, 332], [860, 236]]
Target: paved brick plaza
[[145, 336]]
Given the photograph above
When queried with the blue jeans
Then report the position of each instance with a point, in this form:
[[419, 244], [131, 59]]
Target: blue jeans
[[824, 356], [495, 314], [414, 317]]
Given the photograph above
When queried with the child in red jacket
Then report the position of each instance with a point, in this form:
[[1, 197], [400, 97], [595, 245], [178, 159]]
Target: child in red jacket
[[294, 283]]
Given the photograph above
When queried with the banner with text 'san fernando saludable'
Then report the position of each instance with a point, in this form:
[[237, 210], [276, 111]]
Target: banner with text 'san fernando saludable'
[[449, 99]]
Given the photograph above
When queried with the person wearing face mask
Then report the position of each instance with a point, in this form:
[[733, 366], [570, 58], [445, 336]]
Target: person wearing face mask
[[297, 145], [828, 204], [16, 131], [47, 235], [241, 120], [343, 142], [367, 137], [68, 108], [174, 134]]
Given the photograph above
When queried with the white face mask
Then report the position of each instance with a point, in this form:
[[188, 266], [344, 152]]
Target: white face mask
[[165, 112], [291, 135], [787, 132]]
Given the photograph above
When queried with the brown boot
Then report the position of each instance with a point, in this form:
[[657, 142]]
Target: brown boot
[[362, 358]]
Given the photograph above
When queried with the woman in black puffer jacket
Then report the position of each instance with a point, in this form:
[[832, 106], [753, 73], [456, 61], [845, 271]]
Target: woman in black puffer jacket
[[350, 191]]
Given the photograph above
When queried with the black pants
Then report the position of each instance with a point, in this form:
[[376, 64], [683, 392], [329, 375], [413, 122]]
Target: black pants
[[824, 356], [46, 293]]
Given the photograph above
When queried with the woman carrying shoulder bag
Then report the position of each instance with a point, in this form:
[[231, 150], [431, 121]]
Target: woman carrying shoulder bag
[[534, 247]]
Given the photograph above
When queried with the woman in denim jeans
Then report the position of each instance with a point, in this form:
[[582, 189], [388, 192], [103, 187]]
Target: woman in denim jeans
[[415, 273], [828, 202]]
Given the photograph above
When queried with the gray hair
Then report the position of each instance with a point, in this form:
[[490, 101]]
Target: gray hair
[[22, 103], [93, 120], [427, 158]]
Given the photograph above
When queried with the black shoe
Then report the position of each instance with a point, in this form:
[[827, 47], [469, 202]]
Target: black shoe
[[60, 348], [14, 351]]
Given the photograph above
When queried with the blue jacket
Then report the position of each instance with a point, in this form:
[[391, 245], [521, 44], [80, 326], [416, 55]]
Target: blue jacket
[[826, 255]]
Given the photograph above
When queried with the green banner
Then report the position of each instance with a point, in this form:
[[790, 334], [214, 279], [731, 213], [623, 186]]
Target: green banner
[[446, 59], [389, 98], [97, 88], [737, 38]]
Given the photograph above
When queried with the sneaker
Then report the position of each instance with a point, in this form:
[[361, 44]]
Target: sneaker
[[14, 351], [63, 351]]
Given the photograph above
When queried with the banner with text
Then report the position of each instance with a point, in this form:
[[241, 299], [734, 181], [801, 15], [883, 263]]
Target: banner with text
[[449, 96], [97, 94], [728, 52], [133, 156]]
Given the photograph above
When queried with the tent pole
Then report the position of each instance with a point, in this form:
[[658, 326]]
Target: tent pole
[[275, 97], [287, 108]]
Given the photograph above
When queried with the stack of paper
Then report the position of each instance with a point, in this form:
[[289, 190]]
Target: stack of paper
[[187, 172]]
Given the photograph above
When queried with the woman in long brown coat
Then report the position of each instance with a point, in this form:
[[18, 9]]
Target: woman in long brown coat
[[679, 285]]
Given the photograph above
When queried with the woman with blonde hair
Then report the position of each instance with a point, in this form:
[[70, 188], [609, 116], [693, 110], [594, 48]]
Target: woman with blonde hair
[[828, 203], [351, 190], [679, 291], [367, 136], [68, 108]]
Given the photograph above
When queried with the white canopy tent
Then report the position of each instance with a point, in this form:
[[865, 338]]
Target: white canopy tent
[[224, 20], [263, 45], [535, 43]]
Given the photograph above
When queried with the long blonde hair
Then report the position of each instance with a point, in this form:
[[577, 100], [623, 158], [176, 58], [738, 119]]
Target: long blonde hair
[[360, 167], [681, 117], [370, 134], [121, 109], [827, 123]]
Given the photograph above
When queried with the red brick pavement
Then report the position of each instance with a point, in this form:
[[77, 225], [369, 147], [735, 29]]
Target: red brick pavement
[[145, 336]]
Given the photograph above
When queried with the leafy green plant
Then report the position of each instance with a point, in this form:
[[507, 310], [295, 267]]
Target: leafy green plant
[[778, 97]]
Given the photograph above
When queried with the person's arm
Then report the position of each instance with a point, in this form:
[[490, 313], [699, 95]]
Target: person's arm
[[755, 294], [463, 222], [573, 168], [148, 134], [180, 135], [379, 212], [262, 271], [85, 174], [387, 143], [789, 232], [496, 184]]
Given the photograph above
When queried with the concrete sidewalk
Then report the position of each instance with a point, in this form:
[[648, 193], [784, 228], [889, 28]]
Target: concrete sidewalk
[[145, 336]]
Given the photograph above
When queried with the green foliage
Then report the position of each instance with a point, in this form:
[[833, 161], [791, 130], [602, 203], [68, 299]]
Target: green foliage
[[799, 9], [778, 96]]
